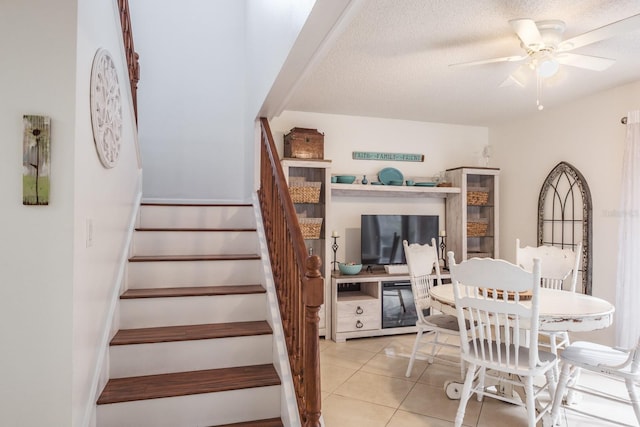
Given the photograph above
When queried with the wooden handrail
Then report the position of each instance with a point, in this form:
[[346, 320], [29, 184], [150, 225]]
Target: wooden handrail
[[133, 59], [299, 283]]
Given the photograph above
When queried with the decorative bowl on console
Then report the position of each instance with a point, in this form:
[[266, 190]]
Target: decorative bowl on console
[[349, 268], [345, 179]]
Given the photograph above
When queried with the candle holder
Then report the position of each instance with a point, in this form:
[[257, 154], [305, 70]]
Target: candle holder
[[334, 246], [443, 250]]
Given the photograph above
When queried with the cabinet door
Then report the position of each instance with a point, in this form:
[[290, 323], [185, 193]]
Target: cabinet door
[[481, 216], [308, 182], [472, 216]]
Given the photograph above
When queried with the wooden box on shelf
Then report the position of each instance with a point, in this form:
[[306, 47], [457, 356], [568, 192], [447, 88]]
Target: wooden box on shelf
[[302, 143]]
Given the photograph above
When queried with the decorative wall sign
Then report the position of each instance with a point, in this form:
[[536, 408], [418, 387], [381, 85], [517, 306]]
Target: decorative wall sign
[[397, 157], [36, 160], [106, 108]]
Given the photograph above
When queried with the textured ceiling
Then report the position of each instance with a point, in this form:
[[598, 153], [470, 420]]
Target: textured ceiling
[[392, 60]]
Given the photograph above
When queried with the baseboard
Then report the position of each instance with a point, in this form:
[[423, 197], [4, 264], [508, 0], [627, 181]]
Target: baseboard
[[101, 372]]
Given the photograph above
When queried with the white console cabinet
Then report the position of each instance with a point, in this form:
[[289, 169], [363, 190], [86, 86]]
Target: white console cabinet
[[357, 302]]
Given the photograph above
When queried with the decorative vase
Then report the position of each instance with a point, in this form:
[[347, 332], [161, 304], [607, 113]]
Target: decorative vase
[[364, 179]]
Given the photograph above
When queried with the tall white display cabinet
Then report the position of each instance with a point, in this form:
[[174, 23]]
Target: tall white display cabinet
[[309, 184], [472, 215]]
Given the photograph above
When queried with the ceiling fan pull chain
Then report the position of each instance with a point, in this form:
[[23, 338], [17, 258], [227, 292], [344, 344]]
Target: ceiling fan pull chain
[[539, 82]]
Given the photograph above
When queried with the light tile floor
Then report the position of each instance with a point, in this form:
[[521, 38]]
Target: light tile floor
[[364, 384]]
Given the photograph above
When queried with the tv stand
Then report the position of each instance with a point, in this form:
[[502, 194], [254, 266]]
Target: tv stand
[[357, 302]]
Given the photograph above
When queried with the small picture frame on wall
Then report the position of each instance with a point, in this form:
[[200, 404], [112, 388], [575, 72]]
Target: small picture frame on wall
[[36, 159]]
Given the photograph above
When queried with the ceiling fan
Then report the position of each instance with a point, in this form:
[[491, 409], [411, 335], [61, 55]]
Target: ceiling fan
[[545, 50]]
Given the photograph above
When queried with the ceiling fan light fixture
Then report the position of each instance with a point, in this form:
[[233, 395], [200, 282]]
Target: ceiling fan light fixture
[[548, 67]]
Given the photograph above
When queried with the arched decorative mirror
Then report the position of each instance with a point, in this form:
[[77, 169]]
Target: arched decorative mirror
[[565, 215]]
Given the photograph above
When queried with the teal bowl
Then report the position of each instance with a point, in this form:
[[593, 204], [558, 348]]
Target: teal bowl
[[396, 182], [345, 179], [349, 268]]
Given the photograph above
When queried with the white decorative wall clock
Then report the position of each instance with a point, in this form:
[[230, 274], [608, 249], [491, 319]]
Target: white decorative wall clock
[[106, 108]]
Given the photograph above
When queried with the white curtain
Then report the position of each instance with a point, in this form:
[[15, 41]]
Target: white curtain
[[628, 281]]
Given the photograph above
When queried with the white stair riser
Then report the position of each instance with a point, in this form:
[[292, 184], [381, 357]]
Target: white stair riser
[[197, 217], [158, 274], [152, 312], [194, 242], [181, 356], [194, 410]]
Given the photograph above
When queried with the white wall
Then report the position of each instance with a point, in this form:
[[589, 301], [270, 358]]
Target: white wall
[[586, 134], [37, 41], [191, 98], [106, 198], [280, 23], [53, 292], [271, 30], [444, 146], [207, 69]]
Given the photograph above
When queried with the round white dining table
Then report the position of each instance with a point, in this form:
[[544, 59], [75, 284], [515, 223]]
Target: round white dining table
[[559, 310]]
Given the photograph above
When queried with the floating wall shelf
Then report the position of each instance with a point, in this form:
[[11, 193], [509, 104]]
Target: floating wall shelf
[[359, 190]]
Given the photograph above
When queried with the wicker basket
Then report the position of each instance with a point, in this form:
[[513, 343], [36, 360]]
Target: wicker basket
[[477, 198], [310, 227], [477, 228], [304, 192]]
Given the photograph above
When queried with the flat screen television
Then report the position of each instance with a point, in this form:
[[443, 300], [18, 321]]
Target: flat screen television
[[382, 235]]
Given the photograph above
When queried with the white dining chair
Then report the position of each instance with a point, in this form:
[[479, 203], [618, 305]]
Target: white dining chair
[[616, 363], [424, 268], [502, 300], [559, 270]]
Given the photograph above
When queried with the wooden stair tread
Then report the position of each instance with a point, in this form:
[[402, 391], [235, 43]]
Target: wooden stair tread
[[218, 257], [238, 229], [192, 291], [271, 422], [190, 332], [187, 383]]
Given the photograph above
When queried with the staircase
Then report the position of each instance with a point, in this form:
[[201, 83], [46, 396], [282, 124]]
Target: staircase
[[194, 347]]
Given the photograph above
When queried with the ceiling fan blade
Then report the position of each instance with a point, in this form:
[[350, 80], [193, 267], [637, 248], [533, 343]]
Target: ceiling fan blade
[[490, 61], [527, 31], [518, 77], [626, 25], [588, 62]]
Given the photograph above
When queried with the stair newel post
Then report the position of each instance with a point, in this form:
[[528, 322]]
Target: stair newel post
[[313, 298]]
